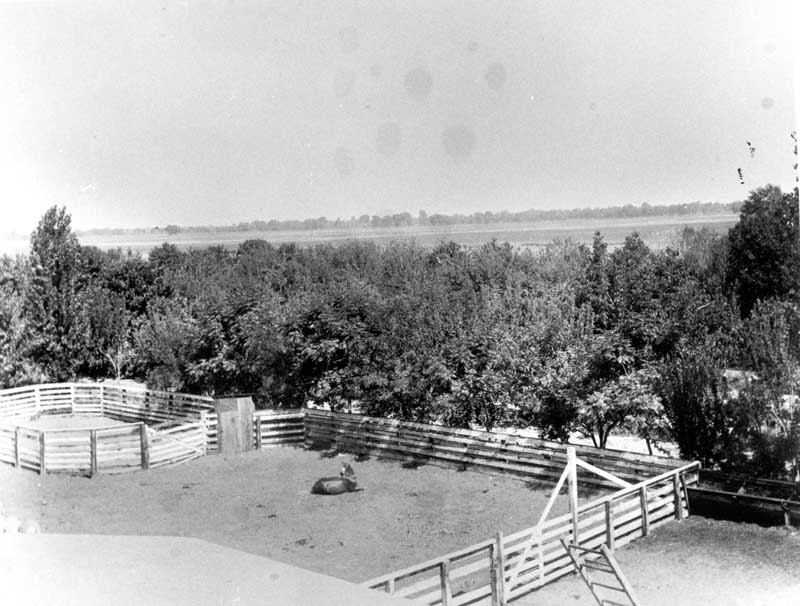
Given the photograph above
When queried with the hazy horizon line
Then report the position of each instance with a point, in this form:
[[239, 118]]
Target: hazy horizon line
[[306, 224]]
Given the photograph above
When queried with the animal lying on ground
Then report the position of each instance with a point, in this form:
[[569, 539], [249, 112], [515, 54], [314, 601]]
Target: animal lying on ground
[[345, 482]]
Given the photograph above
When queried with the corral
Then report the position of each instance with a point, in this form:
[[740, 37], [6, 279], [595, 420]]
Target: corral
[[410, 511], [134, 428]]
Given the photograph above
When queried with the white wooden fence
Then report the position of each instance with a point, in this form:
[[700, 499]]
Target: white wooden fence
[[504, 568], [160, 428]]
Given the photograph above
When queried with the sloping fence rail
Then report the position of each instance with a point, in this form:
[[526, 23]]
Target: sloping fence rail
[[480, 450]]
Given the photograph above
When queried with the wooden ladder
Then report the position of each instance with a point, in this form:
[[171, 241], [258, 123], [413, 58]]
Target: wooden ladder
[[600, 571]]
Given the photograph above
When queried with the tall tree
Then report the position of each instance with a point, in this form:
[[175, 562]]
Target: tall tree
[[16, 368], [51, 302], [764, 259]]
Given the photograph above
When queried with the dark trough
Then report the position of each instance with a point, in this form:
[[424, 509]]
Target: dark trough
[[740, 498]]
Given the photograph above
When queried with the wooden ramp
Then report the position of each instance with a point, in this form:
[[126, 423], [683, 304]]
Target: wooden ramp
[[600, 571]]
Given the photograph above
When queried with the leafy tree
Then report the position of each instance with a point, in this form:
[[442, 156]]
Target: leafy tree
[[16, 368], [51, 301], [704, 422], [627, 402], [334, 339], [764, 259], [165, 344]]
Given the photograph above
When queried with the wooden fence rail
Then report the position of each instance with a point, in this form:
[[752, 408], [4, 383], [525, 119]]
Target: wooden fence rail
[[278, 428], [459, 448]]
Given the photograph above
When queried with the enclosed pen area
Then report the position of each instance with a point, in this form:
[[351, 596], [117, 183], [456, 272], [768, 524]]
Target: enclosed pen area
[[121, 428], [641, 493], [108, 428]]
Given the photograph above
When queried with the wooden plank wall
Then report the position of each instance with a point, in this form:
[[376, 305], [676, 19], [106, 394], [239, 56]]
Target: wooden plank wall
[[19, 402], [20, 446], [211, 422], [87, 399], [274, 427], [481, 572], [278, 428], [68, 450], [118, 449], [176, 443], [135, 404], [461, 448], [55, 399]]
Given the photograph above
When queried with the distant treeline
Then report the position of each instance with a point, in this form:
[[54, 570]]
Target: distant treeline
[[424, 219]]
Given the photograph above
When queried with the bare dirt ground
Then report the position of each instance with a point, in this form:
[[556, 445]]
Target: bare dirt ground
[[700, 561], [260, 503]]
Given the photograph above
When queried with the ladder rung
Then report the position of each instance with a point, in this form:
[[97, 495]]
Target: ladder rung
[[613, 603], [619, 588], [594, 566], [586, 549]]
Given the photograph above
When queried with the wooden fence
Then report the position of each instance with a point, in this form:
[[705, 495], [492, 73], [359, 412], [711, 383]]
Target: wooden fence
[[503, 568], [481, 450], [274, 427], [174, 442], [278, 428], [161, 428], [178, 434], [123, 403]]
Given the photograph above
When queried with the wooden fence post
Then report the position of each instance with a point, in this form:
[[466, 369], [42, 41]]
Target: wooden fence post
[[573, 491], [444, 581], [16, 447], [204, 423], [257, 425], [493, 575], [609, 507], [540, 551], [42, 454], [676, 491], [144, 445], [390, 586], [685, 494], [645, 511], [38, 399], [497, 571], [93, 452], [72, 397], [102, 399]]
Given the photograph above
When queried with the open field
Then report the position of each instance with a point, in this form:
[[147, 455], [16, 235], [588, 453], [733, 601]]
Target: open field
[[657, 232], [260, 503]]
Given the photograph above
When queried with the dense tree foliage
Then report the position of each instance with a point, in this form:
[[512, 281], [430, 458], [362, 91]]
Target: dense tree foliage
[[765, 248], [569, 339]]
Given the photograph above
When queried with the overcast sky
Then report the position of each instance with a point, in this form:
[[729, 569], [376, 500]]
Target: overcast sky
[[141, 114]]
